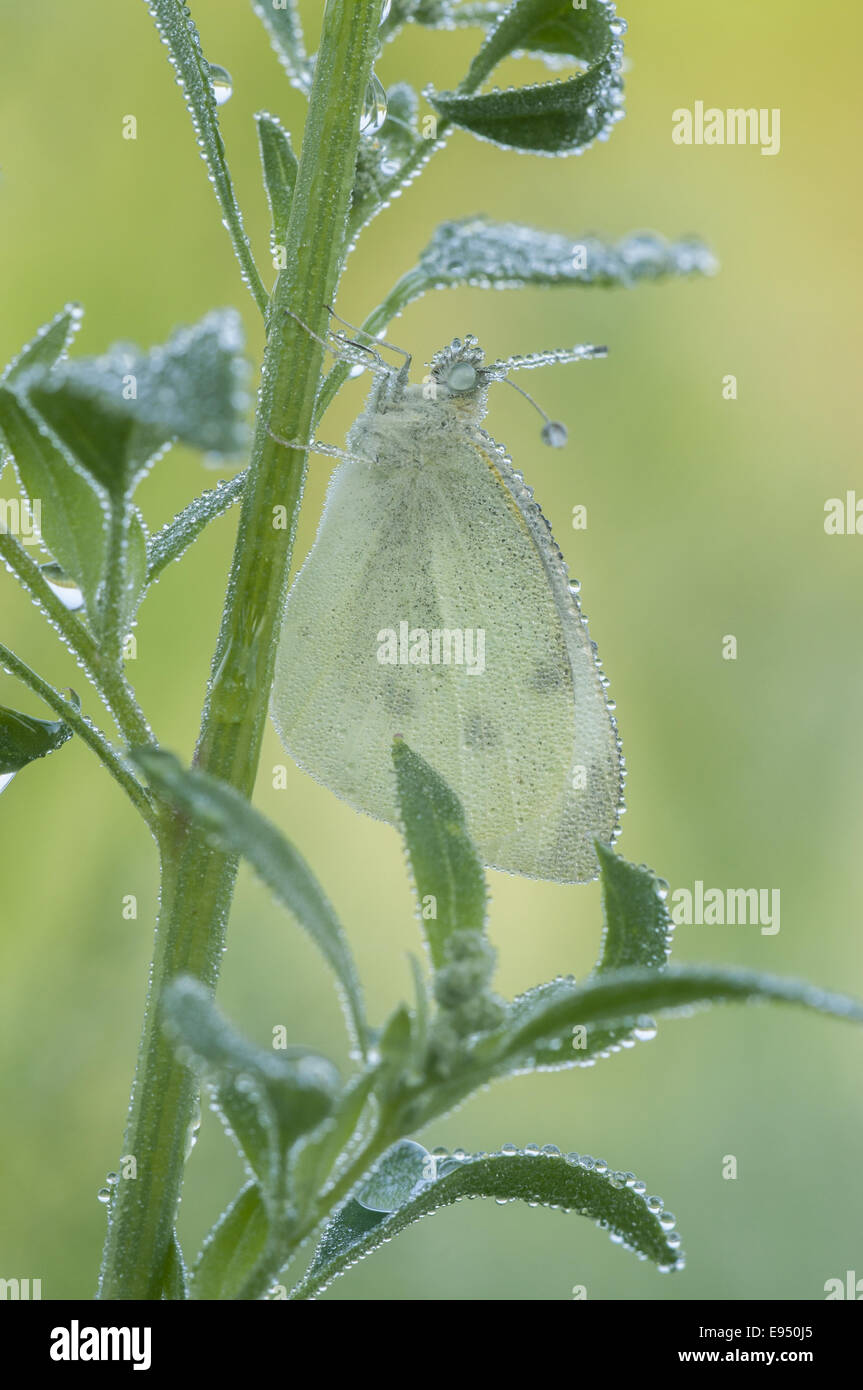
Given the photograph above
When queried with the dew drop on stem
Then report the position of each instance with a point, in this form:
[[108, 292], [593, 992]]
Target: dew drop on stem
[[374, 111]]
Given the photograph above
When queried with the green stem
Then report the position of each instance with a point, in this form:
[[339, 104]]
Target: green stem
[[111, 685], [199, 878], [94, 738]]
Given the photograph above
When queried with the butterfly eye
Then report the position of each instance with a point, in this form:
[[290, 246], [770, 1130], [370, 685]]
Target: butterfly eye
[[462, 377]]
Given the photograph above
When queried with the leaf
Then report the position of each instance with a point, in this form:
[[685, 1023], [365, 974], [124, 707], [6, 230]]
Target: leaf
[[508, 255], [280, 171], [637, 925], [544, 27], [115, 413], [318, 1157], [24, 739], [548, 1179], [286, 36], [174, 539], [175, 1284], [625, 996], [552, 118], [236, 825], [268, 1099], [49, 344], [177, 30], [232, 1249], [445, 865]]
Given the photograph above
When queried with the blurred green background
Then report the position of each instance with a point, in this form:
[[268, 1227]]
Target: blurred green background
[[705, 518]]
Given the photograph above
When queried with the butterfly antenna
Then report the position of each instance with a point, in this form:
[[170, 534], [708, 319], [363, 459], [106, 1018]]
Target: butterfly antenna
[[554, 432]]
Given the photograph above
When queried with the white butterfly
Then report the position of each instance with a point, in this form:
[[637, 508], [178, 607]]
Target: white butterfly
[[435, 605]]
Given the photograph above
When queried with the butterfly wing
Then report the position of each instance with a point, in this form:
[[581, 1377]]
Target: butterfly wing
[[448, 540]]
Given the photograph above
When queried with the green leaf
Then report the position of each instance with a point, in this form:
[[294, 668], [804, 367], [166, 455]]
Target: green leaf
[[237, 826], [71, 516], [175, 1282], [115, 413], [637, 925], [268, 1099], [509, 255], [286, 36], [447, 873], [552, 118], [544, 27], [175, 538], [232, 1249], [24, 739], [569, 1184], [280, 171], [625, 996], [50, 343], [177, 30], [318, 1157]]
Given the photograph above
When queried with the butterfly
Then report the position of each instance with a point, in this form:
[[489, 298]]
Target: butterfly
[[435, 605]]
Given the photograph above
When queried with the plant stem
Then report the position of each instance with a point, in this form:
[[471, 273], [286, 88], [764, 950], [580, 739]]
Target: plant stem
[[199, 878], [87, 732], [111, 684]]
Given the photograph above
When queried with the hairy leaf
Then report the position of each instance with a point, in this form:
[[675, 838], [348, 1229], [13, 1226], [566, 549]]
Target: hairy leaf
[[286, 36], [232, 1248], [280, 171], [268, 1099], [568, 1184], [24, 739], [174, 539], [115, 413], [448, 876], [508, 255], [233, 823]]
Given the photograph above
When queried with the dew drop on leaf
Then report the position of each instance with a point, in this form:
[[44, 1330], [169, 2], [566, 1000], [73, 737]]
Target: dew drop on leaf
[[64, 587], [223, 83]]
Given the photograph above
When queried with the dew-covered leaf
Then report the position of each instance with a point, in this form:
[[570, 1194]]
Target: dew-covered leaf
[[551, 118], [49, 344], [267, 1098], [232, 1248], [545, 27], [174, 539], [448, 877], [175, 1279], [508, 255], [24, 739], [314, 1161], [554, 118], [236, 825], [280, 166], [623, 997], [568, 1184], [177, 30], [282, 23], [115, 413]]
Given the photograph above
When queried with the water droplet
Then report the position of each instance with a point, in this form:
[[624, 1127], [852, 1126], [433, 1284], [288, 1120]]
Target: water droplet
[[667, 1221], [65, 588], [223, 83], [5, 779], [654, 1205], [531, 1150], [618, 27], [112, 1179], [374, 111], [555, 434], [551, 1150], [385, 12], [104, 1195], [645, 1029], [508, 1150]]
